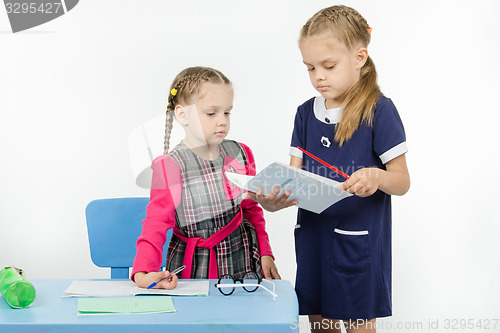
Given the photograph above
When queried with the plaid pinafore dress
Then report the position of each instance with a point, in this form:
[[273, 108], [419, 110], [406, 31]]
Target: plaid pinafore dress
[[205, 208]]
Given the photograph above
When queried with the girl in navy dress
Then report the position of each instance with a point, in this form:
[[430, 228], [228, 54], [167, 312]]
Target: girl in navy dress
[[344, 253]]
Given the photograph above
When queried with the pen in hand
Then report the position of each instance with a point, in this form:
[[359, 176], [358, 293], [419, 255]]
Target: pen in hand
[[175, 271]]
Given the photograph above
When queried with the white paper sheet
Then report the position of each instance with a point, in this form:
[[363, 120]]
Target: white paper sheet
[[112, 288]]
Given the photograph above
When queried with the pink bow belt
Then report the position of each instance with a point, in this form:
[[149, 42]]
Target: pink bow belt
[[209, 243]]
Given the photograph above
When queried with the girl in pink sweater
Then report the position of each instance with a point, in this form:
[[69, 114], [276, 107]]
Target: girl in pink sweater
[[215, 232]]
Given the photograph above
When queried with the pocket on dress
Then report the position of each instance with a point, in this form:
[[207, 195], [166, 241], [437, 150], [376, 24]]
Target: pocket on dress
[[350, 250]]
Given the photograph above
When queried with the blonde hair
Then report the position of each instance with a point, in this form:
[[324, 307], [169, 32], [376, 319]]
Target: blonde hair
[[348, 26], [185, 86]]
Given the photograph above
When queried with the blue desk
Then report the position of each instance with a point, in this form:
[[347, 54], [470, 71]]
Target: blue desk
[[242, 312]]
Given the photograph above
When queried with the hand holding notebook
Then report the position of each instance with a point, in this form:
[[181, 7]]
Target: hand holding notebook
[[313, 192]]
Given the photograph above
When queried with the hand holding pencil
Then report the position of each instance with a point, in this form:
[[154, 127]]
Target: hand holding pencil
[[163, 279], [169, 276]]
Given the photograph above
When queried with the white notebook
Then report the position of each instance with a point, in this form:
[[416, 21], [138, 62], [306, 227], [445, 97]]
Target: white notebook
[[313, 192], [115, 288]]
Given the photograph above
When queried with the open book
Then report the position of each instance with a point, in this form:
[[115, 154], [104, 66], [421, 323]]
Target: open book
[[313, 192], [115, 288]]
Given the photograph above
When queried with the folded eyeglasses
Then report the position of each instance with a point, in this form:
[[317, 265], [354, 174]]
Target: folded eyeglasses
[[250, 283]]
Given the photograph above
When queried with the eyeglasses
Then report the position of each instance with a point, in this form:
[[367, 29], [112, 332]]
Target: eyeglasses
[[250, 283]]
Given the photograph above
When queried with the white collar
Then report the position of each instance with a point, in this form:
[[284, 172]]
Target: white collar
[[330, 116]]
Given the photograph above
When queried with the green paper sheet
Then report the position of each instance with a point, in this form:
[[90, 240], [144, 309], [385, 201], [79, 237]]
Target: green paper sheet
[[125, 305]]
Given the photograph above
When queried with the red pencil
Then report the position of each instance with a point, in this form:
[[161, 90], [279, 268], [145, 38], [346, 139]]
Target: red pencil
[[324, 163]]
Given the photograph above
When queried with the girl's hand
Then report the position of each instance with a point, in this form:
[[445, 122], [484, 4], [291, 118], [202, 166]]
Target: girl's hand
[[395, 180], [363, 182], [144, 280], [269, 268], [271, 202]]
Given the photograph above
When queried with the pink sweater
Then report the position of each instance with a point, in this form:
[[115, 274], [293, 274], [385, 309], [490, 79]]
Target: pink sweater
[[160, 215]]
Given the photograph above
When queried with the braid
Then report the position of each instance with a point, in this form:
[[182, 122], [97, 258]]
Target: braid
[[358, 16], [183, 88], [193, 80], [360, 22], [333, 14], [179, 86], [168, 130], [346, 23]]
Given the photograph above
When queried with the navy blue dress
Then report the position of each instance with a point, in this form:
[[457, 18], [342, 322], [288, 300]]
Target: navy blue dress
[[344, 253]]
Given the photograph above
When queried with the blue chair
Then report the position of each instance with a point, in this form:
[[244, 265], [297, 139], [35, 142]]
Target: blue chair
[[113, 226]]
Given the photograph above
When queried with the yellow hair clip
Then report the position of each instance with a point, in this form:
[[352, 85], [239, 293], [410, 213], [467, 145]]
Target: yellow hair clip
[[369, 30], [173, 92]]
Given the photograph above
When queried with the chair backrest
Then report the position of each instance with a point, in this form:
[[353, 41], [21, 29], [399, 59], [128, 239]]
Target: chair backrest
[[113, 226]]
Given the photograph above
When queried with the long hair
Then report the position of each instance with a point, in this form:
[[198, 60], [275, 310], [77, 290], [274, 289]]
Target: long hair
[[348, 26], [185, 86]]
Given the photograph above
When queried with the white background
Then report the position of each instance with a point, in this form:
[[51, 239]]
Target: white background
[[73, 90]]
